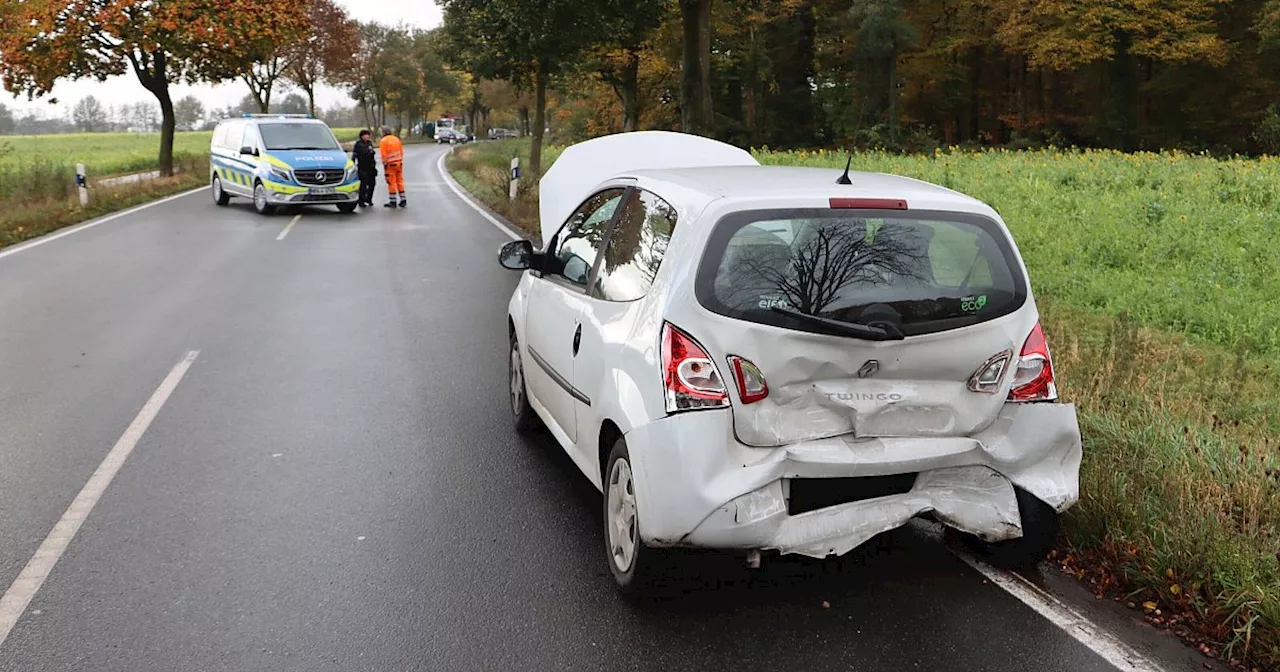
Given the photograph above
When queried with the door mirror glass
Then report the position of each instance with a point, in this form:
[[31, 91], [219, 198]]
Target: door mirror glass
[[516, 255]]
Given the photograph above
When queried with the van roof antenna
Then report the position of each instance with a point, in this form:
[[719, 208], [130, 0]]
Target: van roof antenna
[[844, 179]]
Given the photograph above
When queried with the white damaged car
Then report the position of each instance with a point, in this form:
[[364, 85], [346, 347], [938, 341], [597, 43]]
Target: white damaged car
[[784, 359]]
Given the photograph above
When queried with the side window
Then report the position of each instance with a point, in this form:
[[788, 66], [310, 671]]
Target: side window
[[573, 251], [251, 137], [220, 136], [636, 248]]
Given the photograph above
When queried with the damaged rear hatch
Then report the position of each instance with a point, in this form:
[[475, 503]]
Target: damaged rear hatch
[[863, 323]]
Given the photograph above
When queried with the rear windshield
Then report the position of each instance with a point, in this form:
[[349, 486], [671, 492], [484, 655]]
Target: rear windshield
[[297, 136], [922, 271]]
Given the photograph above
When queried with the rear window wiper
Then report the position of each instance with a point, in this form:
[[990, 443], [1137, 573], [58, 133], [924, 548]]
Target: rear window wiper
[[865, 332]]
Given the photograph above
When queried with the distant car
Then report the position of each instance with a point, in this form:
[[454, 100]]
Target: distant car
[[771, 359], [502, 133], [281, 159], [451, 136]]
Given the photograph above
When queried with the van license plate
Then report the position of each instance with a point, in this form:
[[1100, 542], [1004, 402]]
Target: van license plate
[[321, 191]]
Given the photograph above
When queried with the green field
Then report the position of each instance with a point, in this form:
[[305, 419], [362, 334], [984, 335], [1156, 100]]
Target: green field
[[105, 153], [1156, 278]]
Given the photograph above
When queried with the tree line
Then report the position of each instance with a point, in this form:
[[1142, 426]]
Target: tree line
[[89, 115], [902, 74], [1128, 74]]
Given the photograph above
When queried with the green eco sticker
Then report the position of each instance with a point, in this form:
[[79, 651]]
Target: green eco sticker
[[972, 304]]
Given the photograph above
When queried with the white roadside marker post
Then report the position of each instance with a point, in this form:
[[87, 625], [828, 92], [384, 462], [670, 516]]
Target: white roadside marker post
[[83, 183], [515, 176]]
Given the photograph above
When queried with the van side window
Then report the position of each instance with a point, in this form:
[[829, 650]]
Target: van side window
[[573, 251], [220, 137], [251, 137], [636, 248]]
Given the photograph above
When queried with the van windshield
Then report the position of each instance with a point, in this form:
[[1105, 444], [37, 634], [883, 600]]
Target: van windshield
[[285, 136], [908, 273]]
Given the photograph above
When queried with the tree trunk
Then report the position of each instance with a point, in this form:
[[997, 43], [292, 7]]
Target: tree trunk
[[167, 123], [629, 91], [311, 98], [1020, 82], [539, 119], [524, 121], [893, 95], [152, 71], [695, 81], [975, 96]]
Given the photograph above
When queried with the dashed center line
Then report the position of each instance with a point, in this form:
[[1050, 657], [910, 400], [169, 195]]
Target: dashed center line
[[290, 226], [24, 588]]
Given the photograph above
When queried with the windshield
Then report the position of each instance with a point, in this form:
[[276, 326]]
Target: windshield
[[297, 136], [906, 274]]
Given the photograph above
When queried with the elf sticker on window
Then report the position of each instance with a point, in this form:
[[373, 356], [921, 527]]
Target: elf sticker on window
[[972, 304], [768, 301]]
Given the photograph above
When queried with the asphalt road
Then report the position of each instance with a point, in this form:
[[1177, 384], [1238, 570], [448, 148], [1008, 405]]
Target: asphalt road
[[335, 484]]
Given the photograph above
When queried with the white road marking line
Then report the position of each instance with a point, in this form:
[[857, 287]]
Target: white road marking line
[[1098, 640], [23, 589], [36, 242], [467, 199], [290, 226]]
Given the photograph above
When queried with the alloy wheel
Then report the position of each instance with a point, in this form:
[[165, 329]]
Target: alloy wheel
[[621, 514]]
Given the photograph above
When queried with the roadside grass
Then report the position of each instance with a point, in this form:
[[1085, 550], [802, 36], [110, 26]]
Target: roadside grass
[[1156, 283], [37, 175], [37, 218]]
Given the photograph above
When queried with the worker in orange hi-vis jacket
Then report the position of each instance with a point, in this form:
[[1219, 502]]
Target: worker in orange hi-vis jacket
[[392, 152]]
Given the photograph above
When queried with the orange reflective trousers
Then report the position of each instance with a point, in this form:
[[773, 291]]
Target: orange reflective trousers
[[395, 179]]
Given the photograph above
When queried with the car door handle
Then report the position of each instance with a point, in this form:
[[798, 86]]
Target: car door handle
[[577, 340]]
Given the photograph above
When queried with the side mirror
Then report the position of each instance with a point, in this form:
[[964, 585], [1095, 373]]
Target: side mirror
[[249, 150], [516, 255]]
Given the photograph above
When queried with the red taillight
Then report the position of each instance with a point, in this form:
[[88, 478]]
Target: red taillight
[[1033, 375], [751, 384], [868, 204], [690, 376]]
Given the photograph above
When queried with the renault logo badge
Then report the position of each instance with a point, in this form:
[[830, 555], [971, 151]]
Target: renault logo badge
[[871, 368]]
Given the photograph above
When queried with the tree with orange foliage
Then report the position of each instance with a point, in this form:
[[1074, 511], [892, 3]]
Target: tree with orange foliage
[[160, 41], [327, 52]]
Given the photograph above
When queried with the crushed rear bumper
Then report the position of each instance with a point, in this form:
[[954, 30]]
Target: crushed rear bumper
[[698, 486]]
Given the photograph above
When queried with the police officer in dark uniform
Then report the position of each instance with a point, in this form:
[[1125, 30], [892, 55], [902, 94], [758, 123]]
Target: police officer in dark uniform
[[365, 157]]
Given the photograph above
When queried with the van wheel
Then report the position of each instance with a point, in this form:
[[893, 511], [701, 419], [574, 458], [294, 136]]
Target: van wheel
[[346, 208], [260, 202], [635, 566], [1040, 525], [219, 196]]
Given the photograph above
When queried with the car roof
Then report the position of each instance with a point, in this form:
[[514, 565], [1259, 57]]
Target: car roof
[[764, 181]]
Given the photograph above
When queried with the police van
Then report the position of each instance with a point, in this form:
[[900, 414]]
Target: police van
[[281, 160]]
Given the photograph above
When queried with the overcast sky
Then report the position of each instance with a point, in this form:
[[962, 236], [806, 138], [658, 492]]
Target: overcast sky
[[416, 13]]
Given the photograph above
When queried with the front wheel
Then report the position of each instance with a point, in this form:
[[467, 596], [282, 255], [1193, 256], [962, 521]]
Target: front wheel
[[1040, 524], [635, 566], [526, 421], [260, 202], [346, 208], [220, 197]]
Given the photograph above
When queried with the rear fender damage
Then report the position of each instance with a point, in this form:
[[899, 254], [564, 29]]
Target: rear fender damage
[[737, 497]]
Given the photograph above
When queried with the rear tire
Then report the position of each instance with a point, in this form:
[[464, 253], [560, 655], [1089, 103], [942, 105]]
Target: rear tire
[[1040, 524], [523, 416], [260, 202], [636, 567], [220, 197], [346, 208]]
